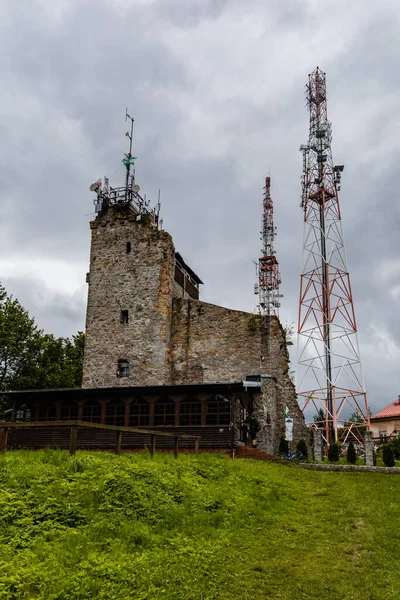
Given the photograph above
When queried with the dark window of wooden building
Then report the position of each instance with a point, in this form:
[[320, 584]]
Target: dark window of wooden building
[[190, 413], [46, 413], [139, 414], [92, 413], [164, 413], [123, 368], [128, 247], [69, 412], [115, 414], [218, 413], [23, 414], [124, 317]]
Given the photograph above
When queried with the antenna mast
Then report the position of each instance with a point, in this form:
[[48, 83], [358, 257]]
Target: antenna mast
[[329, 359], [127, 196], [268, 266]]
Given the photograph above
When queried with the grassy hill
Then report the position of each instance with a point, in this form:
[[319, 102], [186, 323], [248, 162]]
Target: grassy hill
[[99, 526]]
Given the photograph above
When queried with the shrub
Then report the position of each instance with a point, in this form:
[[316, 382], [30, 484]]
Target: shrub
[[334, 452], [395, 446], [302, 447], [351, 454], [388, 455], [283, 446]]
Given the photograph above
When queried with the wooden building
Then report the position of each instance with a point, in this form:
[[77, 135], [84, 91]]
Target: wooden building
[[215, 412]]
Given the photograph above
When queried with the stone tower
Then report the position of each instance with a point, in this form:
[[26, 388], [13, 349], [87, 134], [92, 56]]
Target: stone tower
[[129, 306]]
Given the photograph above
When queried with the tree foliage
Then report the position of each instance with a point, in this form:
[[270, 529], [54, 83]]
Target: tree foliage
[[302, 447], [388, 455], [351, 454], [32, 359], [283, 446], [334, 452]]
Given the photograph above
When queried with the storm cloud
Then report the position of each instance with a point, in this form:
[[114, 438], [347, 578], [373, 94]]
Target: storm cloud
[[217, 91]]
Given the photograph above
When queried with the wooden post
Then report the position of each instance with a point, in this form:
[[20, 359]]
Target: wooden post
[[118, 441], [72, 440], [196, 446], [3, 439], [176, 447], [152, 444]]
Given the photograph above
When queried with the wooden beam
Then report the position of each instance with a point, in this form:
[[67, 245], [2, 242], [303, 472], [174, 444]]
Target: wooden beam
[[3, 439], [176, 447], [118, 442], [90, 425], [72, 440], [152, 444], [196, 446]]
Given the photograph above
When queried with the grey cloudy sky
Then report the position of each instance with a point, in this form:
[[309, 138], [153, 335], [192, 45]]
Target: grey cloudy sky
[[217, 91]]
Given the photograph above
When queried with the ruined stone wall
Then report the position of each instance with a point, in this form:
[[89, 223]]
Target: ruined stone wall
[[140, 281], [211, 343]]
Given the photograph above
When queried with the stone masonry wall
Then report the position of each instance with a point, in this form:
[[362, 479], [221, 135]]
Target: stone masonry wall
[[140, 281], [211, 343]]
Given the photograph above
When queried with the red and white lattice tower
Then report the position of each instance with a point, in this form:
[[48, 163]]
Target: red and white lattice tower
[[268, 266], [329, 374]]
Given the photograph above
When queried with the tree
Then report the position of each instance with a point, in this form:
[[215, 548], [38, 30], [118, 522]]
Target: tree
[[19, 341], [334, 452], [31, 359], [283, 446], [387, 455], [351, 454], [320, 418], [302, 447]]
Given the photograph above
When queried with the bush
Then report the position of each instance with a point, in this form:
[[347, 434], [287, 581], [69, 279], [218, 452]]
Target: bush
[[283, 446], [302, 447], [395, 446], [351, 454], [334, 452], [388, 455]]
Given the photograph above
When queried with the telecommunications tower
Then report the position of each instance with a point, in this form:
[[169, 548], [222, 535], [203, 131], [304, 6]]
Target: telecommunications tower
[[330, 377], [268, 266]]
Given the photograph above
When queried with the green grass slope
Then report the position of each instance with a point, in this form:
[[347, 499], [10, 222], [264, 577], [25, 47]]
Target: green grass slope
[[99, 526]]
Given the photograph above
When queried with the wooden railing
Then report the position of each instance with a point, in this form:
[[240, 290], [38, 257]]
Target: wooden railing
[[74, 425]]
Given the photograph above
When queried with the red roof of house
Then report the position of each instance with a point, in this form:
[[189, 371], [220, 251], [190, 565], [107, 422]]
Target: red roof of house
[[393, 410]]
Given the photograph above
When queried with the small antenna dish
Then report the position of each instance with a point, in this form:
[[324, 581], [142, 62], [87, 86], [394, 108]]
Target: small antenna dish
[[95, 187], [136, 188]]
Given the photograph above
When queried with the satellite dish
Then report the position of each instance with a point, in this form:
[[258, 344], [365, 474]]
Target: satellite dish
[[95, 187], [136, 188]]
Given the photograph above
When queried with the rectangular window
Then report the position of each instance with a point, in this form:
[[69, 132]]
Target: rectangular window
[[69, 412], [92, 413], [123, 368], [47, 413], [140, 414], [115, 414], [164, 414], [23, 415], [218, 413], [124, 317], [190, 413]]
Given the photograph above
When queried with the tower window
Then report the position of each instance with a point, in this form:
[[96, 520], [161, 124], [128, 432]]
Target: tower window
[[123, 368], [128, 247], [124, 316]]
